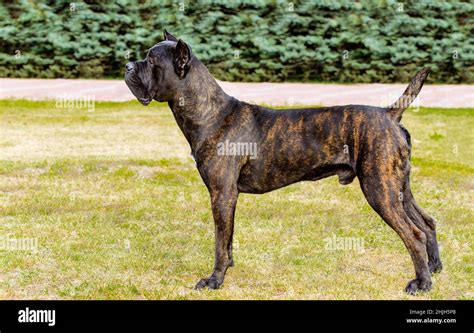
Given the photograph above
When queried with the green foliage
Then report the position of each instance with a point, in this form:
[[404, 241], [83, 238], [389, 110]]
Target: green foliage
[[344, 41]]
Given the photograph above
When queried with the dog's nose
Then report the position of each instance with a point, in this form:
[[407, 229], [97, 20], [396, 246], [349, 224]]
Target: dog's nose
[[129, 67]]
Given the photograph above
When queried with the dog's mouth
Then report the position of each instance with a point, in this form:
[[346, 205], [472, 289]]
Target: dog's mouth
[[137, 88], [145, 101], [148, 99]]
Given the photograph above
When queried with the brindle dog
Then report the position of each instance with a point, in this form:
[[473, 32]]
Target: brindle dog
[[292, 145]]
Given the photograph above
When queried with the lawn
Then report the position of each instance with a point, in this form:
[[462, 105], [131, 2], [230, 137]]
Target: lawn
[[118, 211]]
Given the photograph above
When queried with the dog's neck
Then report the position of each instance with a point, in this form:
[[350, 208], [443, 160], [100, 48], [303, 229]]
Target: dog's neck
[[200, 106]]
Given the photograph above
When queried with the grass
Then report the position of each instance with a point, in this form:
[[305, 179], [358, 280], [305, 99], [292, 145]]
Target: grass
[[119, 212]]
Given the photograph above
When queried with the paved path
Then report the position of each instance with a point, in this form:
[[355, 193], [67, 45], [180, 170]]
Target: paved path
[[259, 93]]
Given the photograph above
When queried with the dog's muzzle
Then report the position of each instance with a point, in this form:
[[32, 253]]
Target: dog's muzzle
[[135, 84]]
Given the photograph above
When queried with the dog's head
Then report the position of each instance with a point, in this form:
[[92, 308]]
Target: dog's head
[[159, 76]]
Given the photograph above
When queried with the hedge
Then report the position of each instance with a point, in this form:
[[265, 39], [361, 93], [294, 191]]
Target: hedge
[[321, 41]]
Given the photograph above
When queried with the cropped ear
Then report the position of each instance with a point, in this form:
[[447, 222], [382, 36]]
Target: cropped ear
[[169, 36], [181, 58]]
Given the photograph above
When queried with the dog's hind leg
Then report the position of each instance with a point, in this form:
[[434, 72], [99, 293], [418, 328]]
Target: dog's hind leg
[[428, 225], [382, 191]]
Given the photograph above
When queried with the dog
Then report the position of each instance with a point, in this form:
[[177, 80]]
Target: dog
[[293, 145]]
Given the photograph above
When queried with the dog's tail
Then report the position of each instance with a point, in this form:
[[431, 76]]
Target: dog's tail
[[396, 109]]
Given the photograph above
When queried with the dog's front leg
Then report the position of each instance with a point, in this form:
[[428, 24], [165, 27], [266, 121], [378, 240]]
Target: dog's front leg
[[223, 203]]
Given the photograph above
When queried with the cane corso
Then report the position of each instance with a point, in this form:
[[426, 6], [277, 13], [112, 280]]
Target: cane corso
[[294, 145]]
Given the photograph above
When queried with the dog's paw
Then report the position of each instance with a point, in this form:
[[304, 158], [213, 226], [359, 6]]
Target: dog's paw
[[211, 283], [417, 285]]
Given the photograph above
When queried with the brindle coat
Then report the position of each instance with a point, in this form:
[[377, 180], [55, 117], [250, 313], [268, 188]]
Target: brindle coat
[[293, 145]]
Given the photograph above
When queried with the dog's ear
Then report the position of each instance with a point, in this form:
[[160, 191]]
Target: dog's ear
[[181, 58], [169, 36]]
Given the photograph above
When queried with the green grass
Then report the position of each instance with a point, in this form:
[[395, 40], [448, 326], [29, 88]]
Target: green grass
[[120, 212]]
